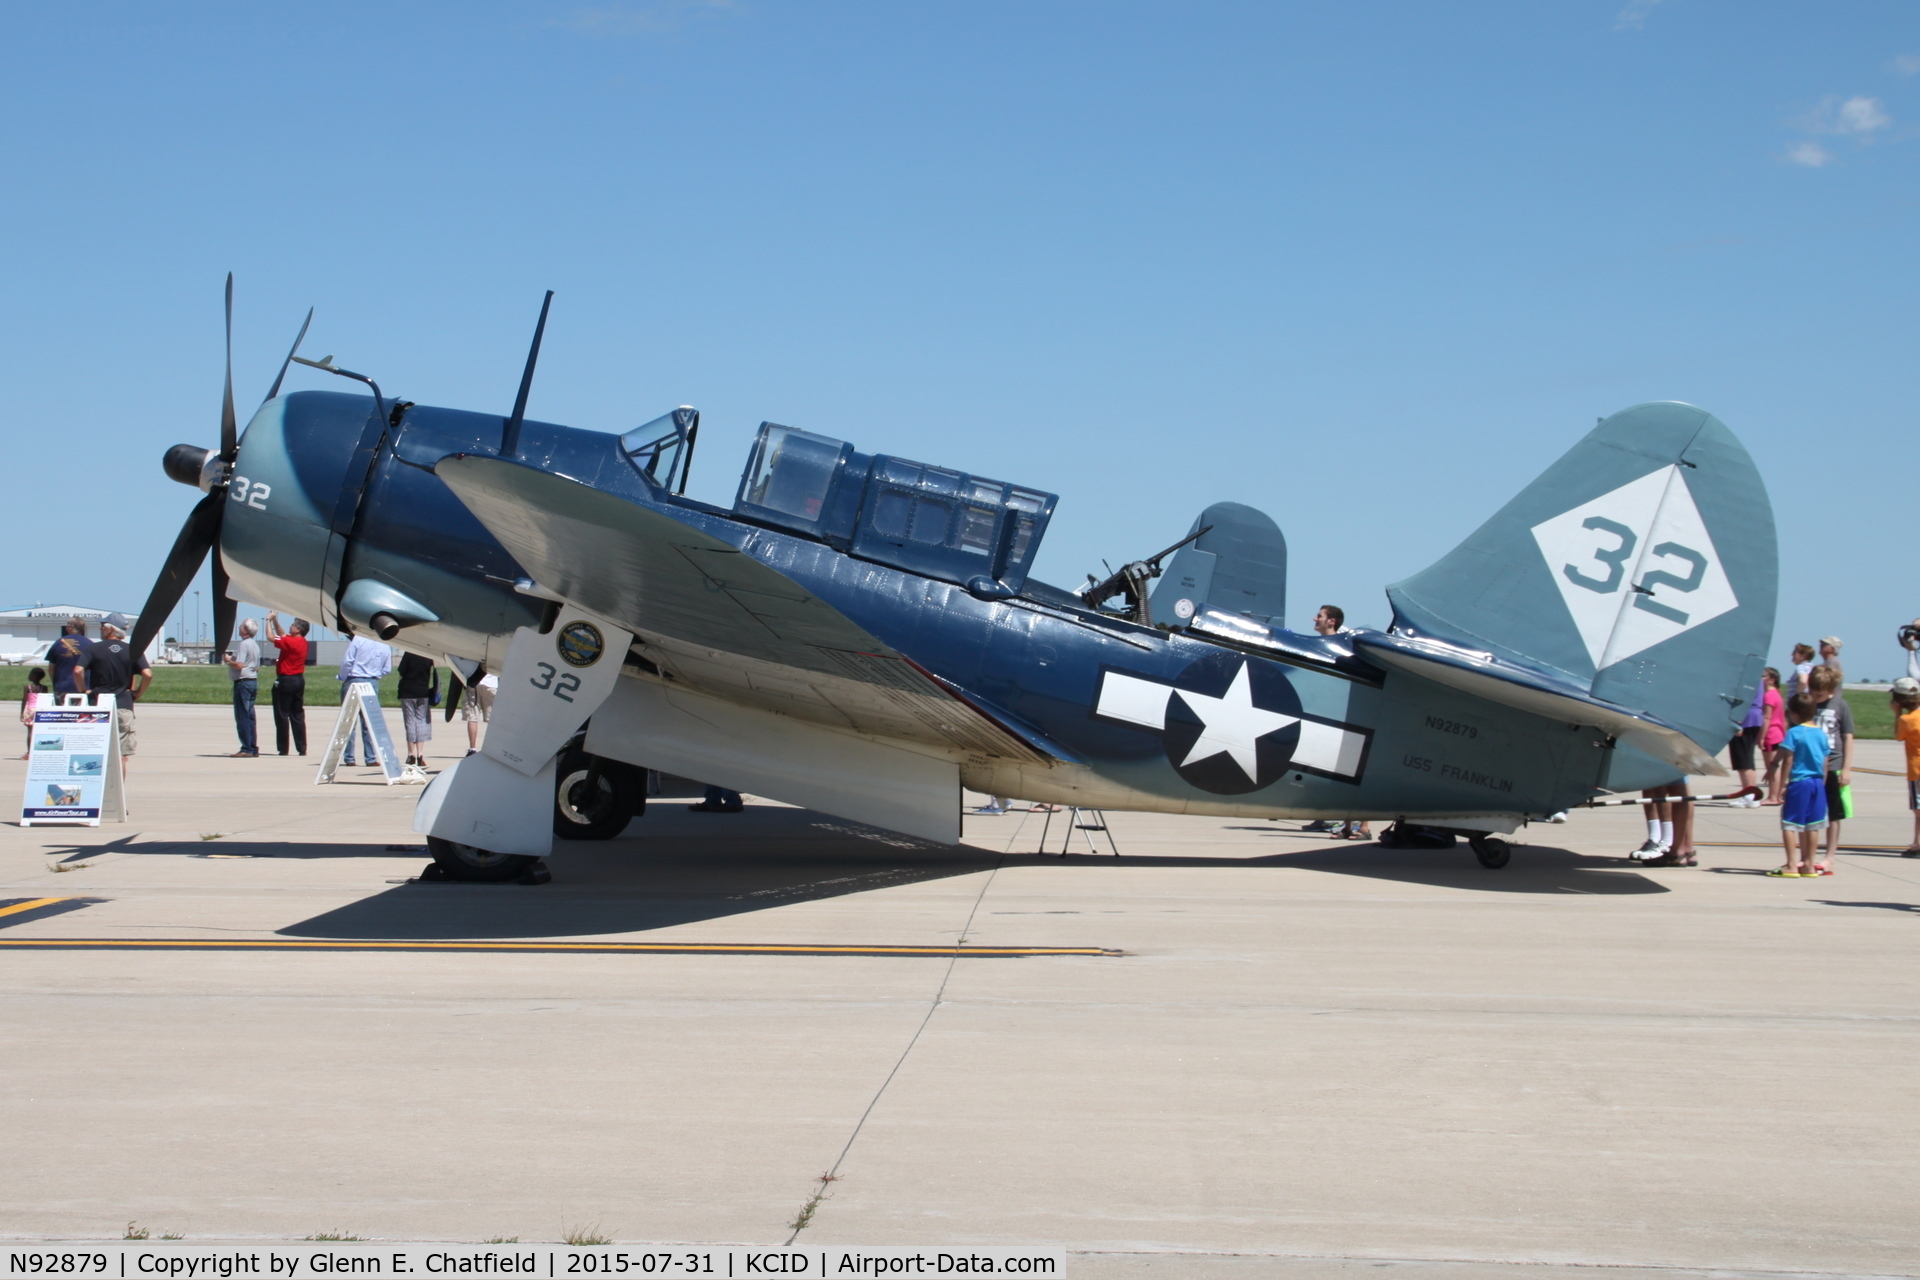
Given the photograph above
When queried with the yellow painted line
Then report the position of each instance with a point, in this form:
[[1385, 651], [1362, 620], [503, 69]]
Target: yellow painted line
[[34, 905], [591, 948]]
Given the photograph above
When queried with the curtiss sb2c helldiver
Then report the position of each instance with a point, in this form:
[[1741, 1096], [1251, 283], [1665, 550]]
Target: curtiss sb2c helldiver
[[859, 634]]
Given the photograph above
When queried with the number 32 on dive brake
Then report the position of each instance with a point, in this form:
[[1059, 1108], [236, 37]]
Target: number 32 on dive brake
[[551, 682]]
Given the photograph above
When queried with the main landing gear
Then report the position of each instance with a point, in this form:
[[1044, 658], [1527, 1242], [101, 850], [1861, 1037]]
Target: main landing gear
[[594, 799], [473, 865]]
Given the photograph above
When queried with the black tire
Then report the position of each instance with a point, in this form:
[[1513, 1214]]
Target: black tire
[[578, 816], [1492, 851], [1390, 838], [478, 866]]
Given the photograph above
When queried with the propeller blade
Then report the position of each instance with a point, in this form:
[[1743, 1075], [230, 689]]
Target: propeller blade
[[229, 428], [298, 338], [454, 690], [224, 609], [200, 532]]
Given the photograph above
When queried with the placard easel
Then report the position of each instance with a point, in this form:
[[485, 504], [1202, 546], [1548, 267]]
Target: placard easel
[[360, 707], [74, 770]]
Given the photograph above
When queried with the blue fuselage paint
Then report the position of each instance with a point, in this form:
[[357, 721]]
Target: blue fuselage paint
[[350, 496]]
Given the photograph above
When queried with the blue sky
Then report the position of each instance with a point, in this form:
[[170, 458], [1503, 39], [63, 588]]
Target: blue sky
[[1369, 267]]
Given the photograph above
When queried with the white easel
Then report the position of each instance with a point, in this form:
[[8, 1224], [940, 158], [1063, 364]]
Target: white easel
[[360, 707]]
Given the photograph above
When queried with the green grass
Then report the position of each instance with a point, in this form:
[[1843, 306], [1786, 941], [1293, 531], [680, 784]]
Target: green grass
[[1872, 713], [204, 684]]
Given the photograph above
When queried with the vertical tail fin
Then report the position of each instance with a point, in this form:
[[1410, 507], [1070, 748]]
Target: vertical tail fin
[[1642, 566]]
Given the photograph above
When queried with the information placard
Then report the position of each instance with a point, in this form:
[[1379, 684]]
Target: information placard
[[73, 767]]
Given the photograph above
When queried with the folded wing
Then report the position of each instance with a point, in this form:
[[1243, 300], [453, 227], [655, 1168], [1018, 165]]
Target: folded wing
[[713, 618]]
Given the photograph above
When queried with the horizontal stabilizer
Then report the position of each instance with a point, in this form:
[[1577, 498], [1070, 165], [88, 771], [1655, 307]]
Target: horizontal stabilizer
[[1486, 676]]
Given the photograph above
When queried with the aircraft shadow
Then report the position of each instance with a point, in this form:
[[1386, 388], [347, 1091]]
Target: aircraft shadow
[[1539, 869], [234, 848], [671, 868], [676, 868]]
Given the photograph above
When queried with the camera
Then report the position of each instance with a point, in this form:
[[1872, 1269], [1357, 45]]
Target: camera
[[1910, 635]]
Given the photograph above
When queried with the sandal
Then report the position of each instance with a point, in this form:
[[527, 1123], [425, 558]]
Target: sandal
[[1785, 873]]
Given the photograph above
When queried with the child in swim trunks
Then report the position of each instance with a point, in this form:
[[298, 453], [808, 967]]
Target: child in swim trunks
[[1804, 815]]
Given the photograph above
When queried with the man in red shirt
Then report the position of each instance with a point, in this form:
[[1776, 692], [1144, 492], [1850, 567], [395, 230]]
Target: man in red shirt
[[290, 685]]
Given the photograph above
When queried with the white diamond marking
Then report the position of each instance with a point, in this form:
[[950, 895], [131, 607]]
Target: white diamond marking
[[1648, 532]]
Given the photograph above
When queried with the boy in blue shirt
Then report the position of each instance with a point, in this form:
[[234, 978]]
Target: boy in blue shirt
[[1805, 811]]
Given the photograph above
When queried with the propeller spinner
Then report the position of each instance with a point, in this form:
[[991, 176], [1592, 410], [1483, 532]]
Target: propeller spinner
[[207, 470]]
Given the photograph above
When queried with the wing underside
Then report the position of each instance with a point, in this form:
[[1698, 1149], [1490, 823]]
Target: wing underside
[[712, 618]]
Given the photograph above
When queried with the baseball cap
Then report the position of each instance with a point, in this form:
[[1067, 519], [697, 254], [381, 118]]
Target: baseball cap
[[1832, 640], [116, 620], [1906, 686]]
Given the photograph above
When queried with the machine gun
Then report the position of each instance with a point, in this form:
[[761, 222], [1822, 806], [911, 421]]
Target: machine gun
[[1131, 581]]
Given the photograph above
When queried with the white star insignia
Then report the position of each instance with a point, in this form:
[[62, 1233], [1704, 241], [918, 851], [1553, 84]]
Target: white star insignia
[[1232, 725]]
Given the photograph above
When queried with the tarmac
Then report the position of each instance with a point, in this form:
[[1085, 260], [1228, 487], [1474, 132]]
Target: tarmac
[[1236, 1049]]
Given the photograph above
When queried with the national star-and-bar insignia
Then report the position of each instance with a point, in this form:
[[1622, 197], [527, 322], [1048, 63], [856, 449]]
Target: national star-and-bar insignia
[[1230, 725]]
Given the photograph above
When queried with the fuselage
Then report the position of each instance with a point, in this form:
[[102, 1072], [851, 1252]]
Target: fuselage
[[328, 493]]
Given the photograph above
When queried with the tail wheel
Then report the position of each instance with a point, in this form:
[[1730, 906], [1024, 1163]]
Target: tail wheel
[[590, 804], [476, 865], [1492, 851]]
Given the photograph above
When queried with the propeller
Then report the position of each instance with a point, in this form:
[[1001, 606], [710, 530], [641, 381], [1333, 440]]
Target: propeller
[[229, 429], [454, 689], [208, 470]]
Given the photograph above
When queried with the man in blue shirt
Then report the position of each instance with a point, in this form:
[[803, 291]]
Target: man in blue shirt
[[67, 653], [366, 660]]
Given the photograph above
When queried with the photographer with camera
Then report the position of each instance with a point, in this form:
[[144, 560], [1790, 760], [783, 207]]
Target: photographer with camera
[[1910, 641]]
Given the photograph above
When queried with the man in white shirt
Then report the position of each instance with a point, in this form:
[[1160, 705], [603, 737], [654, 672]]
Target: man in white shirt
[[243, 668], [366, 660]]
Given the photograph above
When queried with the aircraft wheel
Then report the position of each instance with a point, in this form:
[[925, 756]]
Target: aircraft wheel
[[476, 865], [599, 813], [1492, 851]]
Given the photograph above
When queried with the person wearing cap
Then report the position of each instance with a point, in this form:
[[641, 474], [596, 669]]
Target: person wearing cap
[[1830, 655], [1906, 728], [110, 666]]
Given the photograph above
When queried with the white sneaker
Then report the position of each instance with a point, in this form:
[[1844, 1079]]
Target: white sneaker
[[1746, 802], [1557, 817], [991, 808], [1650, 850]]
